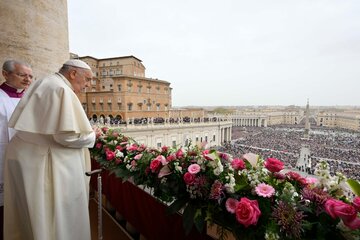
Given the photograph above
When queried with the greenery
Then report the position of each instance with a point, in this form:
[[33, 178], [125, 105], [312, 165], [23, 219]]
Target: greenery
[[252, 197]]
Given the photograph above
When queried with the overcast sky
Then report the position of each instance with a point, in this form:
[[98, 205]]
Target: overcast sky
[[231, 52]]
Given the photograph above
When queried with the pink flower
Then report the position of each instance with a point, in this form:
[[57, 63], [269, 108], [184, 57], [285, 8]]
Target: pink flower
[[354, 224], [231, 204], [274, 165], [171, 157], [164, 149], [110, 155], [120, 148], [133, 163], [337, 208], [118, 160], [138, 156], [98, 145], [132, 147], [264, 190], [194, 168], [247, 212], [205, 151], [311, 180], [179, 153], [115, 134], [238, 164], [356, 203], [155, 165], [162, 159], [105, 129], [188, 178]]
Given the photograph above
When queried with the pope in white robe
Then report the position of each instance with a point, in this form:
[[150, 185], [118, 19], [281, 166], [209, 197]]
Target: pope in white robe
[[46, 190]]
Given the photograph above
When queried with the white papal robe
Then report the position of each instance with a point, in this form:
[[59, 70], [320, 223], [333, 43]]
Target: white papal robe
[[7, 106], [46, 190]]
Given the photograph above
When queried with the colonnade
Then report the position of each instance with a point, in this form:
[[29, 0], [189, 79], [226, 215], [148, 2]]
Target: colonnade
[[244, 121]]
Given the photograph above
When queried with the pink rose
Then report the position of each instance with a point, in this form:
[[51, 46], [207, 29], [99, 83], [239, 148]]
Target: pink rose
[[162, 159], [110, 155], [120, 148], [132, 147], [274, 165], [247, 212], [336, 208], [105, 129], [238, 164], [155, 165], [171, 157], [231, 204], [98, 145], [356, 203], [188, 178], [194, 168], [179, 153]]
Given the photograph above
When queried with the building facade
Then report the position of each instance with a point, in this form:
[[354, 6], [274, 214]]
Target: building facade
[[120, 91]]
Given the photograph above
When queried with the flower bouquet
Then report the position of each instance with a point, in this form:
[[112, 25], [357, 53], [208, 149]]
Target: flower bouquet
[[251, 197]]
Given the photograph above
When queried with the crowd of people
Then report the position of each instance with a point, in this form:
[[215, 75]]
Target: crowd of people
[[340, 148]]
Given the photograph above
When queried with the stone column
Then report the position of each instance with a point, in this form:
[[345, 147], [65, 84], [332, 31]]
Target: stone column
[[36, 32]]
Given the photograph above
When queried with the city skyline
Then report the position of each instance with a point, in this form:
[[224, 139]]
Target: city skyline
[[241, 53]]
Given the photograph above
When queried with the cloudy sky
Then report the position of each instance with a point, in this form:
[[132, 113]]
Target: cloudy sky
[[231, 52]]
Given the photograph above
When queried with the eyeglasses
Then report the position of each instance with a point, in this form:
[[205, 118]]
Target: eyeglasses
[[23, 75]]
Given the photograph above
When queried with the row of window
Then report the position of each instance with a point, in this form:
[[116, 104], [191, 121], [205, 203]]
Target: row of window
[[130, 107]]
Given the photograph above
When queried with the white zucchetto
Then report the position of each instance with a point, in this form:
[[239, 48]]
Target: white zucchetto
[[77, 63]]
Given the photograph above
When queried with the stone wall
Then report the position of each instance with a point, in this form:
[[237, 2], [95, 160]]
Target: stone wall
[[35, 31]]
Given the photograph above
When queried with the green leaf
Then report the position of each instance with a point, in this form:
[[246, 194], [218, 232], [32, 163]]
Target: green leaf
[[199, 220], [355, 186]]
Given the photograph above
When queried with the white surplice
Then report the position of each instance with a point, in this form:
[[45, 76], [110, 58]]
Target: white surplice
[[7, 106], [46, 190]]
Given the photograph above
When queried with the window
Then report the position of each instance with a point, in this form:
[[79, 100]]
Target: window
[[139, 89], [94, 107], [214, 137], [119, 87], [130, 107], [148, 107], [158, 144], [158, 107], [174, 143]]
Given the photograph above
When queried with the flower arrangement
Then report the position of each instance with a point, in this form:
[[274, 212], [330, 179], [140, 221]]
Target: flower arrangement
[[251, 197]]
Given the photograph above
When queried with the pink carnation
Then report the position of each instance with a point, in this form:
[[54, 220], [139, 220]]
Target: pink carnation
[[98, 145], [194, 168], [238, 164], [264, 190], [230, 205], [311, 180], [274, 165]]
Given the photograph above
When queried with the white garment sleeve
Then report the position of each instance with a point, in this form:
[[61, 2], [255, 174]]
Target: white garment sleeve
[[74, 140]]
